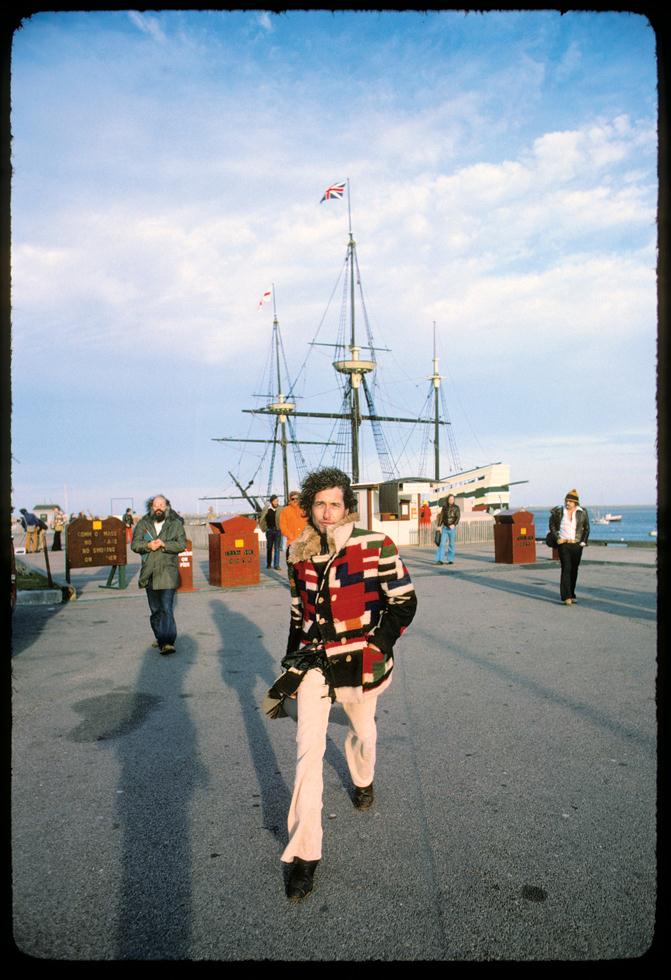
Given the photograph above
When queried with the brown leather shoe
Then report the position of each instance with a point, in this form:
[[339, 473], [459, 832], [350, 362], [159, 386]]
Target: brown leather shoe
[[300, 879], [363, 797]]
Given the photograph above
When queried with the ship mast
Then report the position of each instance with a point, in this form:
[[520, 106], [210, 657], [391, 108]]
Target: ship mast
[[354, 367], [435, 378], [281, 408]]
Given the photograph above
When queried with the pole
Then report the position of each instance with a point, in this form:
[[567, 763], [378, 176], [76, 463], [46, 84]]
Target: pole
[[252, 501], [285, 467], [349, 209], [353, 389], [280, 397], [46, 558], [436, 387], [355, 432]]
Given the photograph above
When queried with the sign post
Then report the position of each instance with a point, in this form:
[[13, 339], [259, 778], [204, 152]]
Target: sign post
[[96, 544]]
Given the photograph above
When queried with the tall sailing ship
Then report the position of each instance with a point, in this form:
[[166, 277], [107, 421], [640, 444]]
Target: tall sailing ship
[[393, 497]]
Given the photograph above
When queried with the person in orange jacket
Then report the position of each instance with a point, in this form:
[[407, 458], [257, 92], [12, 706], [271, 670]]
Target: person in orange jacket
[[292, 519]]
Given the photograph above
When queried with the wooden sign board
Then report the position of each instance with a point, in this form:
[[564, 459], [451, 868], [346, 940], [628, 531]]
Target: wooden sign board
[[91, 543]]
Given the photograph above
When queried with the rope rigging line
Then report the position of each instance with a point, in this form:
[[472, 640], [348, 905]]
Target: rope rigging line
[[369, 332], [342, 439], [314, 339], [427, 439], [301, 465], [451, 441], [387, 464]]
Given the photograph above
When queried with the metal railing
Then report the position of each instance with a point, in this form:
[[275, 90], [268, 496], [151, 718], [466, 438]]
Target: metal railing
[[468, 532]]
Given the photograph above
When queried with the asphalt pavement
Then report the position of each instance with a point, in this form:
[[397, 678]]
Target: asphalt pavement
[[515, 811]]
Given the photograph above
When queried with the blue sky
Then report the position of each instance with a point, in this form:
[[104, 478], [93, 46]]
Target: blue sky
[[168, 167]]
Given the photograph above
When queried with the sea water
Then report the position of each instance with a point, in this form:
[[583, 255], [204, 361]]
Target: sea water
[[636, 524]]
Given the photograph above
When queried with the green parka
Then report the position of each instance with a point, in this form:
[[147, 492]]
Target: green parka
[[159, 568]]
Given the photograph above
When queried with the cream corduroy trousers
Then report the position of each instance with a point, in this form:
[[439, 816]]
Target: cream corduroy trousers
[[305, 811]]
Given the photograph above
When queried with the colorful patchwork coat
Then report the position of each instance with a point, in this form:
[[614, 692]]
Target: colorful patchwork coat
[[348, 608]]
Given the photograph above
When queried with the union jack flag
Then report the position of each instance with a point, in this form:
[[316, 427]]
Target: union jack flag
[[335, 190], [264, 299]]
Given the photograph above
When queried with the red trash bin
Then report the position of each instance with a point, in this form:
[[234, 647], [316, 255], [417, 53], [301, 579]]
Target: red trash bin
[[514, 537], [234, 552], [185, 567]]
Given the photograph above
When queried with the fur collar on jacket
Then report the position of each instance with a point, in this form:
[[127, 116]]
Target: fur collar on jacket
[[309, 543]]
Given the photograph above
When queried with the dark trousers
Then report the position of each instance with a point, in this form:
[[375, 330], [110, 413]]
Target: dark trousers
[[569, 559], [56, 546], [162, 620], [273, 543]]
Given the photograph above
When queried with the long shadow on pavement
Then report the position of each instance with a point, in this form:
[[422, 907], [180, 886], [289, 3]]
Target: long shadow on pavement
[[581, 708], [602, 601], [243, 661], [623, 602], [159, 772], [27, 624]]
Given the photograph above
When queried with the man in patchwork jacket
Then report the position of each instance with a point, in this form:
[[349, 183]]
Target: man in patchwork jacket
[[351, 599]]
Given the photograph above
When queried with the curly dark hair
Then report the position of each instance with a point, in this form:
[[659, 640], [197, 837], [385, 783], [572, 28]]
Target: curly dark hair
[[323, 480]]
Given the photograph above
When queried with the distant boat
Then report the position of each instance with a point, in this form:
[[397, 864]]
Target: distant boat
[[653, 534], [609, 518]]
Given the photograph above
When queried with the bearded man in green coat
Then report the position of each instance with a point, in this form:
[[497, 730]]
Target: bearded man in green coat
[[159, 537]]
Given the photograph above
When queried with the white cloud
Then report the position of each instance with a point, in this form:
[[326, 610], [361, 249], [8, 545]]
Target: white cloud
[[148, 25], [265, 20], [433, 246], [569, 62], [582, 300]]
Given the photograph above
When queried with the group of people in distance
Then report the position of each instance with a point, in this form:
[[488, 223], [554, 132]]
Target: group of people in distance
[[288, 522]]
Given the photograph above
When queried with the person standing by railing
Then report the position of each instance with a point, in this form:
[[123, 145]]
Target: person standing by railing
[[269, 523], [59, 527], [448, 518]]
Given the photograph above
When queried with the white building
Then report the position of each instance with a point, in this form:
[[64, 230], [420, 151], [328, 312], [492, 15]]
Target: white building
[[46, 513], [394, 505]]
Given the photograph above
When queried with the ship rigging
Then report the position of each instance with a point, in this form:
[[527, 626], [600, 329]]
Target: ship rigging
[[353, 363]]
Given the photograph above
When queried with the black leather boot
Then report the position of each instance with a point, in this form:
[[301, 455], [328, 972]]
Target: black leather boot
[[300, 879], [363, 797]]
